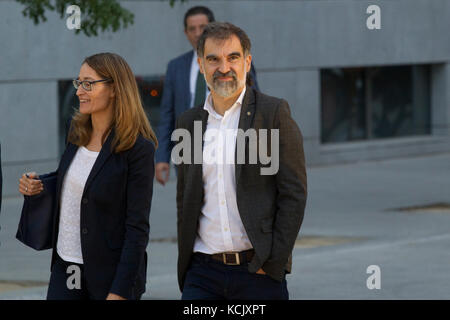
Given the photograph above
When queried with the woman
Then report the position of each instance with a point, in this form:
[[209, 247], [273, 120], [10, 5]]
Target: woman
[[104, 188]]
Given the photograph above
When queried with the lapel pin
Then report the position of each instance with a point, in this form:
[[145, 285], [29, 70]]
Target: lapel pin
[[249, 113]]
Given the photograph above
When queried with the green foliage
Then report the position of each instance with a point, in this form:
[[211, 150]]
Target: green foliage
[[95, 14], [172, 2]]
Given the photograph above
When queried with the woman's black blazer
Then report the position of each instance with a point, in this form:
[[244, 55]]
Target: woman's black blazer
[[114, 218]]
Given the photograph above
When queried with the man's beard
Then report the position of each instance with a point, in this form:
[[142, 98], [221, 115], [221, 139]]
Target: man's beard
[[225, 88]]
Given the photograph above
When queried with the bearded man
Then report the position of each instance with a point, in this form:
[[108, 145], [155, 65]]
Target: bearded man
[[237, 226]]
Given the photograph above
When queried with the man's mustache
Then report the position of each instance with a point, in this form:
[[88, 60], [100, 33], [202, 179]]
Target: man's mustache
[[230, 73]]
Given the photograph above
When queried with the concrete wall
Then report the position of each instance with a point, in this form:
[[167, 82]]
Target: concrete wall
[[292, 41]]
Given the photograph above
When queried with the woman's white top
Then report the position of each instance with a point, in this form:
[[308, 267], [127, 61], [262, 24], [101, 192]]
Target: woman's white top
[[69, 242]]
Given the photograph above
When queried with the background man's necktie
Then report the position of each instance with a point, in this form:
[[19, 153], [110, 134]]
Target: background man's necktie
[[200, 90]]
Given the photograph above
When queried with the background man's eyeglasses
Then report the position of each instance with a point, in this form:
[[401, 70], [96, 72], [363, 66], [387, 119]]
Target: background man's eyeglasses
[[86, 84]]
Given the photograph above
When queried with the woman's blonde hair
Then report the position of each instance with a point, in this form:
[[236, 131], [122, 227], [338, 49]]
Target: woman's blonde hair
[[129, 118]]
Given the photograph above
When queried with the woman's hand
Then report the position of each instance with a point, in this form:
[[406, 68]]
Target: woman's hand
[[112, 296], [28, 186]]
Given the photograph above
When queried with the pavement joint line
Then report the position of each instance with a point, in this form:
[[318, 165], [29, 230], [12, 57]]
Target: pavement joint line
[[162, 278], [368, 247]]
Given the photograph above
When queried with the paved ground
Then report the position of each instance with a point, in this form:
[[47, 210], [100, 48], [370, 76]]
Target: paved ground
[[348, 226]]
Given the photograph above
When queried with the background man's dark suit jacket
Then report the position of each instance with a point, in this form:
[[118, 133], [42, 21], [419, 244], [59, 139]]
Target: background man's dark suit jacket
[[114, 218], [176, 99], [271, 206]]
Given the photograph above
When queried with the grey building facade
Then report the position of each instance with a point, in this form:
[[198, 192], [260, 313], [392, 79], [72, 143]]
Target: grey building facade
[[357, 93]]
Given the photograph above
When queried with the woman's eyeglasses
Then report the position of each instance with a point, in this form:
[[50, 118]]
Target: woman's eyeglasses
[[86, 84]]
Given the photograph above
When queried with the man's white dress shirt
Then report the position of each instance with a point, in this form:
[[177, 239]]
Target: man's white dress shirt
[[220, 225]]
